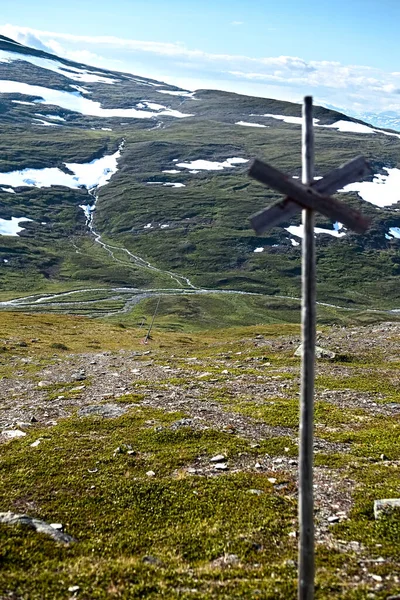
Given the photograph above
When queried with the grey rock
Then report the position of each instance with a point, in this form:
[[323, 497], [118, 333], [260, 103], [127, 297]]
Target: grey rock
[[152, 560], [221, 467], [386, 506], [256, 492], [107, 411], [74, 588], [13, 433], [218, 458], [319, 352], [227, 560], [333, 519], [182, 423], [79, 376], [40, 526], [123, 449], [44, 383]]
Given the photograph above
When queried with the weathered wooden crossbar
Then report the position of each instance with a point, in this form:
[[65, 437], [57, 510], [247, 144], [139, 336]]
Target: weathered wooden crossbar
[[354, 170], [309, 196]]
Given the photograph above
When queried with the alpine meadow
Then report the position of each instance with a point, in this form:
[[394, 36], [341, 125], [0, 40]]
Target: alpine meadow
[[150, 344]]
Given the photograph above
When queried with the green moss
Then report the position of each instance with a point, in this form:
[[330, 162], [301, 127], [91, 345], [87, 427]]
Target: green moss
[[119, 515]]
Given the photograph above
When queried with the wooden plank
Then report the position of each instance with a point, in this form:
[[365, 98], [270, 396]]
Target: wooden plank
[[354, 170], [308, 197], [308, 320]]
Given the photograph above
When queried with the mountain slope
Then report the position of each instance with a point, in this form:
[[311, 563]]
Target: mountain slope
[[176, 202]]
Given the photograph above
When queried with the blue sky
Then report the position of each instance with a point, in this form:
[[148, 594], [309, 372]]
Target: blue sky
[[346, 53]]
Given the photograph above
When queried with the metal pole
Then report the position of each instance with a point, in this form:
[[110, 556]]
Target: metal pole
[[306, 499], [152, 321]]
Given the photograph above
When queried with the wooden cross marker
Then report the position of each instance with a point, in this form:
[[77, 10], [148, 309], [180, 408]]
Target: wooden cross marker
[[308, 197]]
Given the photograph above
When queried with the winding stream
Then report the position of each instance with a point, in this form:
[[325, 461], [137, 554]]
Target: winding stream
[[88, 301]]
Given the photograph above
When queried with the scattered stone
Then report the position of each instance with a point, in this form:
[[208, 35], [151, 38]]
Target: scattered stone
[[218, 458], [13, 433], [152, 560], [40, 526], [377, 578], [291, 563], [43, 383], [123, 449], [386, 506], [258, 465], [256, 492], [333, 519], [74, 588], [150, 474], [35, 444], [293, 534], [272, 480], [383, 457], [181, 423], [228, 560], [221, 466], [107, 411], [33, 420], [319, 352], [57, 526], [79, 376], [78, 388]]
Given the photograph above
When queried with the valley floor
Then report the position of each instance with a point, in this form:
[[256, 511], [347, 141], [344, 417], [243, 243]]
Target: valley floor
[[119, 444]]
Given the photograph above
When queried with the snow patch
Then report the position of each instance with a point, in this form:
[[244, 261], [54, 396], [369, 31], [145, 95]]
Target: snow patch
[[74, 101], [245, 124], [298, 231], [394, 232], [45, 123], [11, 226], [8, 190], [185, 94], [260, 249], [208, 165], [53, 117], [53, 65], [96, 173], [383, 190], [173, 171], [350, 127], [22, 102], [288, 119]]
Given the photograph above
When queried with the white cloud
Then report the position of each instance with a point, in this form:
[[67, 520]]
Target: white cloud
[[353, 87]]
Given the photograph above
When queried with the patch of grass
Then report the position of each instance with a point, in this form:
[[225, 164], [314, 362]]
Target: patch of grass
[[119, 515], [285, 412]]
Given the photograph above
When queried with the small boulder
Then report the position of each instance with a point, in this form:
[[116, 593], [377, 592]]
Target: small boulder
[[107, 411], [218, 458], [386, 506], [319, 352]]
